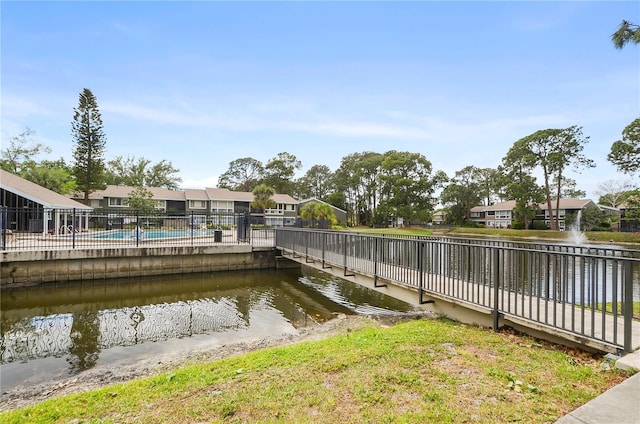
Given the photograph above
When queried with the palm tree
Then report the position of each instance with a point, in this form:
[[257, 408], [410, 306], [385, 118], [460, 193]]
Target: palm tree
[[262, 197]]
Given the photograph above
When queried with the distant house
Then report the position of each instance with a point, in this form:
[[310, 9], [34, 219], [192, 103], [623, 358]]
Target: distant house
[[500, 215], [41, 210], [439, 217], [628, 224]]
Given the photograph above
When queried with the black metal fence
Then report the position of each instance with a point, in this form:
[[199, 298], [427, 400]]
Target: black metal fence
[[41, 229], [588, 291]]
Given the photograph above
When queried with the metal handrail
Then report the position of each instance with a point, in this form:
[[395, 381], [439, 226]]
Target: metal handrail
[[584, 290]]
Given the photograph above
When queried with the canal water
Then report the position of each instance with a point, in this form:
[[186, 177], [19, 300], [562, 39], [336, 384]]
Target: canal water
[[54, 331]]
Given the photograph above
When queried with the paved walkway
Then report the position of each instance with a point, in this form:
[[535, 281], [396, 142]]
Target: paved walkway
[[618, 405]]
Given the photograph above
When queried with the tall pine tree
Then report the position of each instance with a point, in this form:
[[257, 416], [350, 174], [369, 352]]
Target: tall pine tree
[[90, 140]]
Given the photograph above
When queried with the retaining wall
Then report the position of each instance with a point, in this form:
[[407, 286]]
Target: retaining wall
[[20, 268]]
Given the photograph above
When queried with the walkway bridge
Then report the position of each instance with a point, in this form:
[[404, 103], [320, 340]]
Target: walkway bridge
[[576, 295]]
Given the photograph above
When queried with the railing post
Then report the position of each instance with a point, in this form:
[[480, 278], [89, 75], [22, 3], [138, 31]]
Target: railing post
[[137, 228], [375, 264], [192, 224], [5, 216], [375, 261], [628, 305], [420, 269], [496, 288], [324, 242], [344, 263], [73, 230]]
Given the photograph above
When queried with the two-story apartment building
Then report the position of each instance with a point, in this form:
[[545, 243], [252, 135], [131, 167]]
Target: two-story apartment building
[[500, 215], [209, 201]]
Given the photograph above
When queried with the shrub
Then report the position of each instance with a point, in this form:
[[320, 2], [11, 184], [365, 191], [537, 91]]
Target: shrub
[[539, 225], [517, 225]]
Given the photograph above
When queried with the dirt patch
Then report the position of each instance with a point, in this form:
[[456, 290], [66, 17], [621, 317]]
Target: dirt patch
[[104, 375]]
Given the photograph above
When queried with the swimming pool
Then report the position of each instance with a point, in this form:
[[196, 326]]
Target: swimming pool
[[150, 234]]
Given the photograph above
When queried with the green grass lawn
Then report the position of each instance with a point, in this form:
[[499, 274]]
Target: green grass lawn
[[419, 371]]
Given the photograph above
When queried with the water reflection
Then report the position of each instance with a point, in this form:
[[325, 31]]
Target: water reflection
[[79, 322]]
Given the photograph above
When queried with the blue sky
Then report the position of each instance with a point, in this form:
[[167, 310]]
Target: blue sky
[[204, 83]]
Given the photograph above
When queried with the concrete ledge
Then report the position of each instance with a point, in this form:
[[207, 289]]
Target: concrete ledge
[[53, 255], [630, 362], [36, 267]]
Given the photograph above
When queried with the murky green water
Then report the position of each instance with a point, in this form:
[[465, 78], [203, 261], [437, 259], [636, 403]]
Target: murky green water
[[58, 330]]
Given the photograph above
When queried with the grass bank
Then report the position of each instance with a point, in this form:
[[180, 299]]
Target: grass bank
[[417, 371]]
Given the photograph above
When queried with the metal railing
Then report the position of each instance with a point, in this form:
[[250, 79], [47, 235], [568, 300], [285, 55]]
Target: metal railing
[[588, 291], [40, 229]]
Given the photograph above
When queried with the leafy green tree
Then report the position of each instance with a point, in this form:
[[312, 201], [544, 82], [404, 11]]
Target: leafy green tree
[[626, 33], [486, 179], [568, 189], [54, 175], [262, 197], [553, 150], [20, 152], [359, 178], [337, 199], [500, 182], [308, 211], [162, 174], [244, 174], [347, 183], [316, 182], [134, 171], [625, 153], [368, 172], [591, 217], [463, 193], [319, 211], [521, 186], [141, 199], [279, 172], [325, 212], [632, 205], [90, 141], [407, 185], [129, 171]]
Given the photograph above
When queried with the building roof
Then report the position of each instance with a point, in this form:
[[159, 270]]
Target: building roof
[[159, 193], [226, 194], [36, 193], [568, 203], [209, 193], [195, 194], [282, 198]]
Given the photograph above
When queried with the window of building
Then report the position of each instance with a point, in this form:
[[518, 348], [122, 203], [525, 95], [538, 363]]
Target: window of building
[[221, 206], [197, 204], [118, 201]]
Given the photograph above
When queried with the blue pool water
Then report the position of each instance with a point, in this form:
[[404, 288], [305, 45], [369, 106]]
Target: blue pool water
[[152, 234]]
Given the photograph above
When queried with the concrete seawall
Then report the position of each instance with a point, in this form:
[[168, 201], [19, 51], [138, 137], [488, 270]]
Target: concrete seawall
[[21, 268]]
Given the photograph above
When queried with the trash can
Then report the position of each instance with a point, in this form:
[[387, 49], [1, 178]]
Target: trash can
[[217, 236]]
